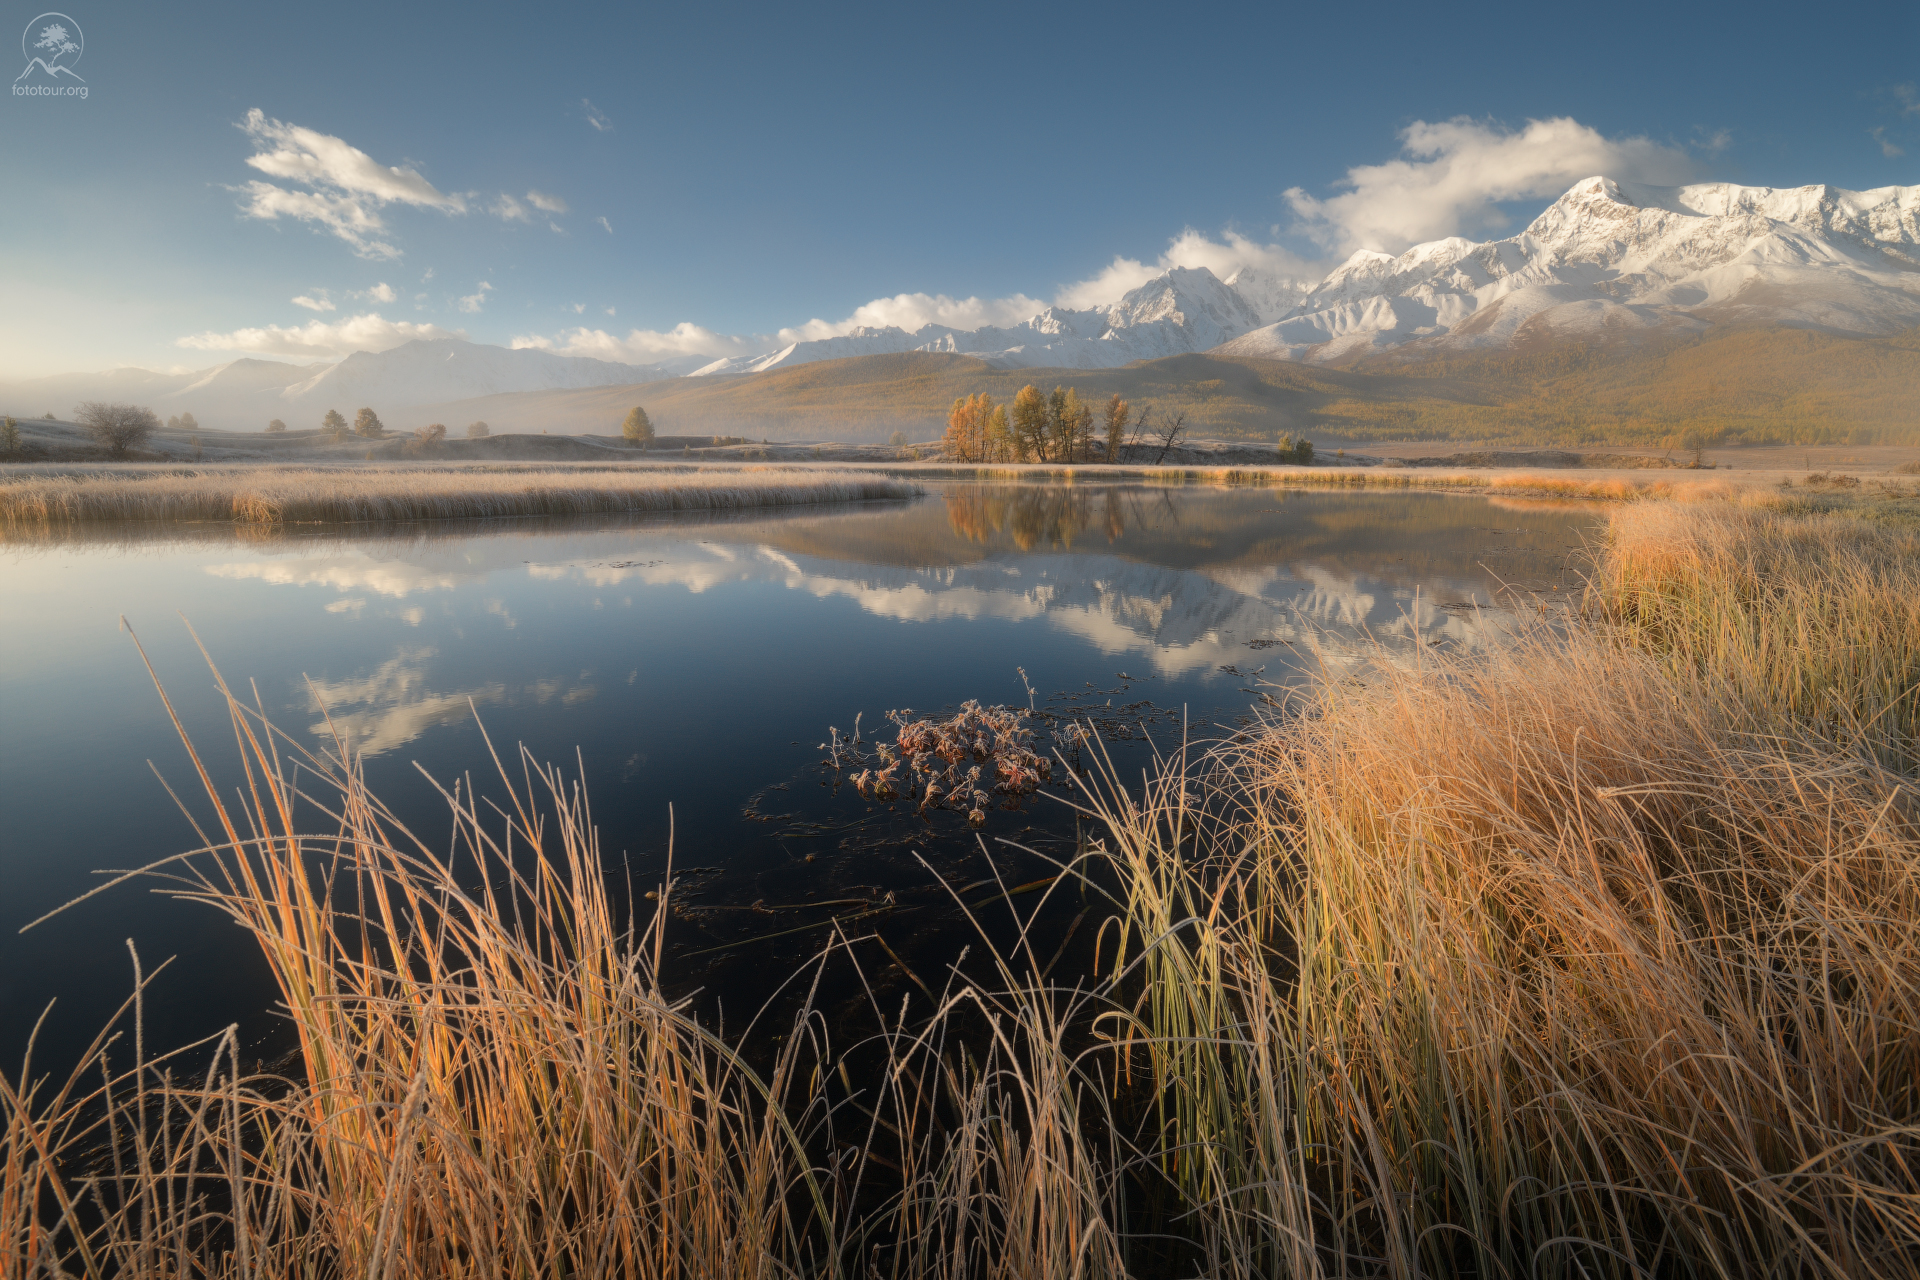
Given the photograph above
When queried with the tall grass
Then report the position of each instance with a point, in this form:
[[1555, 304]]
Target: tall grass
[[277, 495], [1543, 964], [1593, 956], [1810, 619]]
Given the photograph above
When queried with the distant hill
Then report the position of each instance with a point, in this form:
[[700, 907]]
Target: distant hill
[[1757, 385]]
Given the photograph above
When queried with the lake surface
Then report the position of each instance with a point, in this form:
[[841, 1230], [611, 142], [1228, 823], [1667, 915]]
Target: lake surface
[[691, 663]]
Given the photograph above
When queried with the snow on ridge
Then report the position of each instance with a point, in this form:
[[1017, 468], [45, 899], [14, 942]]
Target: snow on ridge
[[1609, 256]]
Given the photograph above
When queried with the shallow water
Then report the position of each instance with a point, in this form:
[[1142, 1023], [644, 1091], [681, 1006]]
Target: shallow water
[[691, 663]]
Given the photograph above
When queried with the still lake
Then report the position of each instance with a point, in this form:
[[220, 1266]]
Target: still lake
[[691, 662]]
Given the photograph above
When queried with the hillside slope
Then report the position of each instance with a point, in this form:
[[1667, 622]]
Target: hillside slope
[[1758, 385]]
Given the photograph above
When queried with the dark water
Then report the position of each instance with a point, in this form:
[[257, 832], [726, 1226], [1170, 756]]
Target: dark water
[[691, 663]]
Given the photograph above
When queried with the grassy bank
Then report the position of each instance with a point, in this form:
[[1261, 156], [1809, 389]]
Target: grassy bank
[[1596, 956], [284, 495]]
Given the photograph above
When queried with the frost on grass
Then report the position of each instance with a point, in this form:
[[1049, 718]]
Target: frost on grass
[[964, 763]]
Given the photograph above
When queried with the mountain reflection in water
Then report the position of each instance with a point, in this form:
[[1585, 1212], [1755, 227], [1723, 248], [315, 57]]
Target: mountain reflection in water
[[691, 662]]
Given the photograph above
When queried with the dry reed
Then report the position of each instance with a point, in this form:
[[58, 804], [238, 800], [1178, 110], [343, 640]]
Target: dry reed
[[1593, 956], [285, 495]]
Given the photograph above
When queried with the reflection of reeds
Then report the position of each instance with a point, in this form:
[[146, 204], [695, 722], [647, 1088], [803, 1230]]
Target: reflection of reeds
[[282, 495]]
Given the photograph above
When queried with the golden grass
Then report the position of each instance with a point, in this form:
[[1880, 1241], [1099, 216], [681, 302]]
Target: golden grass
[[284, 495], [1592, 956], [1812, 620], [1544, 963]]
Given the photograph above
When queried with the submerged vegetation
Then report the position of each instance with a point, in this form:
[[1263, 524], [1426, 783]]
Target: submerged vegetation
[[285, 495], [1598, 955]]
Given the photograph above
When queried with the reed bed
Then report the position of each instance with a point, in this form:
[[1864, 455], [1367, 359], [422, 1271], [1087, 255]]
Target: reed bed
[[1593, 956], [265, 495], [1810, 619]]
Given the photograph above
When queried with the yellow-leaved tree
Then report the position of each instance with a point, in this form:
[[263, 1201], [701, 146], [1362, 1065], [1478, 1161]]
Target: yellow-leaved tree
[[1030, 425], [966, 438], [1118, 411]]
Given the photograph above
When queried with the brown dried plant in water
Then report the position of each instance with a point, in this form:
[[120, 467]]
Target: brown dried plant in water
[[960, 763]]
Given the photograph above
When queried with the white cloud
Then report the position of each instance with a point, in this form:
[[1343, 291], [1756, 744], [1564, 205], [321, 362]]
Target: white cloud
[[347, 186], [1190, 248], [477, 299], [911, 311], [507, 209], [369, 332], [546, 203], [1457, 172], [643, 346], [382, 292], [311, 303], [347, 218], [604, 223], [596, 117], [579, 307], [1891, 150]]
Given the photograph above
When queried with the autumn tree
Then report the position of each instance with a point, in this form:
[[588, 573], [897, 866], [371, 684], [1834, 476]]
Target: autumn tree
[[119, 427], [1030, 424], [1069, 422], [1118, 411], [276, 427], [966, 438], [333, 426], [478, 431], [432, 433], [367, 423], [638, 428], [999, 447]]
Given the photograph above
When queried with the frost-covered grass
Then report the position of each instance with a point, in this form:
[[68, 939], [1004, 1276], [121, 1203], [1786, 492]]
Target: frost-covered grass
[[265, 494]]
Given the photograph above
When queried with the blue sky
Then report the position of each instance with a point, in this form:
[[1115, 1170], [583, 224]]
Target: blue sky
[[761, 167]]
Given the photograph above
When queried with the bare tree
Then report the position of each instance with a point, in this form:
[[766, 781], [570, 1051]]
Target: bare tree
[[119, 427], [1169, 435]]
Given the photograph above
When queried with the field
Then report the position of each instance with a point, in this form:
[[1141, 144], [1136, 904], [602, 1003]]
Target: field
[[1597, 956]]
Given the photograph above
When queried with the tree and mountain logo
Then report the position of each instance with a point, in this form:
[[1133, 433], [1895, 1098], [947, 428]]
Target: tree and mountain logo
[[52, 43]]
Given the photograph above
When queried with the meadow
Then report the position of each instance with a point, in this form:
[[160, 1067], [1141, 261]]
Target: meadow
[[1594, 955]]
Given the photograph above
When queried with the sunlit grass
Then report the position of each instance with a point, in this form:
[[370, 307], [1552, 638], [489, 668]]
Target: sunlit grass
[[1596, 955]]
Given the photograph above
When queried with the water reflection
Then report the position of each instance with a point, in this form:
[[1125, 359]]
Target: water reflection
[[691, 661]]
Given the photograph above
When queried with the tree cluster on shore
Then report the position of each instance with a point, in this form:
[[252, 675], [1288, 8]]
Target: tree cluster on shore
[[1059, 427]]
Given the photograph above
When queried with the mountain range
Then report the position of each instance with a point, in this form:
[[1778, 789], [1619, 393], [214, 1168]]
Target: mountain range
[[1608, 264]]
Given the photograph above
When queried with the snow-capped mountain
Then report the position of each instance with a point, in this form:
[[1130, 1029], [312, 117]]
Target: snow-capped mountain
[[1183, 310], [1616, 258]]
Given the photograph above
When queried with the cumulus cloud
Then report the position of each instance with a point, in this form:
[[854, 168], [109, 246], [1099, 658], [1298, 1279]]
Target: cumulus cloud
[[382, 292], [1224, 257], [643, 346], [347, 186], [1455, 173], [546, 203], [323, 338], [596, 117], [312, 303], [475, 300]]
